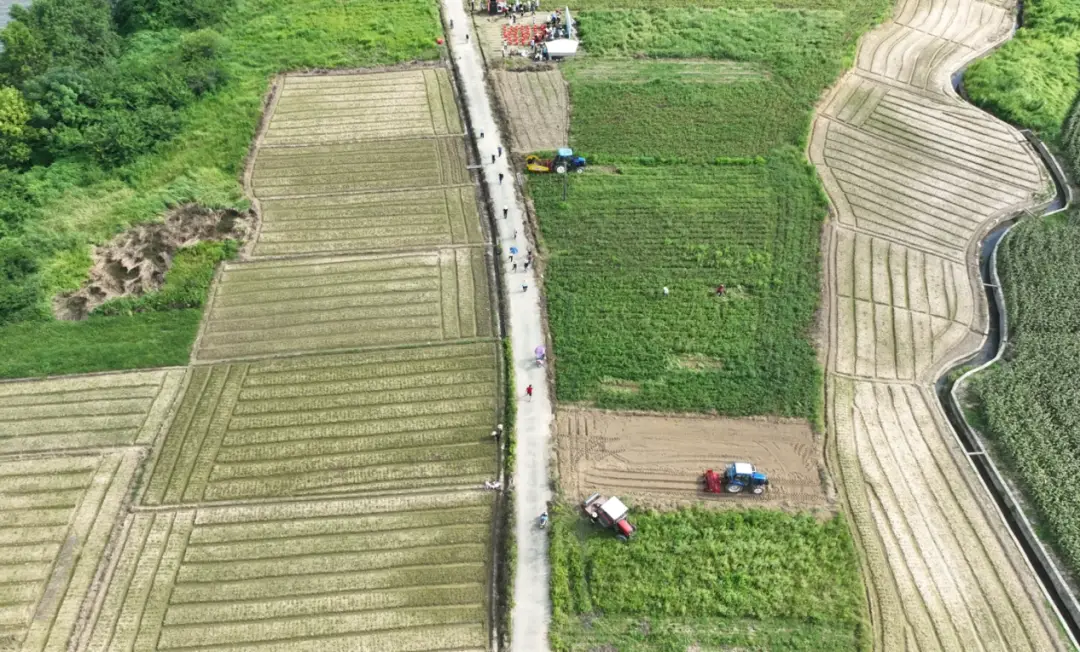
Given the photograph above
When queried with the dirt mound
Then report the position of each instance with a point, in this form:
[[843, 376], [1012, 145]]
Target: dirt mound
[[135, 261]]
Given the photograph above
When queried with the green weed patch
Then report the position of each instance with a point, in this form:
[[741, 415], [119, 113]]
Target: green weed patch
[[620, 238], [747, 580]]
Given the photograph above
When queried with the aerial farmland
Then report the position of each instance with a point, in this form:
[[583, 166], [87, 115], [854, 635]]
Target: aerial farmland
[[316, 478]]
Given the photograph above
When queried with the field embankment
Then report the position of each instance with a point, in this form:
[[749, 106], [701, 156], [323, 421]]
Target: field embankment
[[916, 176]]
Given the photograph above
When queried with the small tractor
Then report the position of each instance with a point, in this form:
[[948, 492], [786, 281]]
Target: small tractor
[[738, 477], [563, 162], [609, 512]]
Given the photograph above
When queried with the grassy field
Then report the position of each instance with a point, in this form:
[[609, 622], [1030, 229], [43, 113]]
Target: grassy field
[[701, 113], [1028, 403], [798, 54], [1032, 80], [752, 580], [622, 237], [75, 203]]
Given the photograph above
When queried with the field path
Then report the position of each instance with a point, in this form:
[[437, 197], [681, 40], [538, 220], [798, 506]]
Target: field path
[[532, 609], [917, 177]]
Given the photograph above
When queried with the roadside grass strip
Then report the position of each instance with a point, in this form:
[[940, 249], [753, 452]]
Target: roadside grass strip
[[379, 421], [274, 307], [388, 573], [56, 514], [85, 411]]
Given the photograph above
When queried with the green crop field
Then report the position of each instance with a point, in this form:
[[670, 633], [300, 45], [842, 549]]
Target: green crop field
[[622, 237], [737, 580], [1028, 405], [697, 115]]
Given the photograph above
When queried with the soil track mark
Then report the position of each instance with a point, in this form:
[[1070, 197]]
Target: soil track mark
[[658, 460], [916, 176]]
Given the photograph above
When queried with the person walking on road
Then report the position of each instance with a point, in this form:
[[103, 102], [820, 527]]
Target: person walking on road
[[524, 287], [500, 150], [500, 178], [528, 392], [506, 210]]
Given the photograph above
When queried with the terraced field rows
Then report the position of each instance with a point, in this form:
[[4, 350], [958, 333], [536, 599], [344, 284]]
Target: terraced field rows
[[274, 307], [85, 412], [394, 420], [389, 573], [56, 514], [915, 176]]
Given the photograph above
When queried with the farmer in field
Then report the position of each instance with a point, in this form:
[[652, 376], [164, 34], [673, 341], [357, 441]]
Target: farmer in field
[[720, 290]]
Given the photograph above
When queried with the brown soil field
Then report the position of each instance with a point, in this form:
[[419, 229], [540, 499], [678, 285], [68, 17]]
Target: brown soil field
[[658, 460], [916, 176], [537, 105]]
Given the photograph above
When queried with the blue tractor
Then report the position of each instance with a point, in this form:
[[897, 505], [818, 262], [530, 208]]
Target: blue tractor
[[739, 477]]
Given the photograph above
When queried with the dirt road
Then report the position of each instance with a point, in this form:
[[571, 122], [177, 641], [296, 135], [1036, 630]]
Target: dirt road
[[916, 177], [532, 609]]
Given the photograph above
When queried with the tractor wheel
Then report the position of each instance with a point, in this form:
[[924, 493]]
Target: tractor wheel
[[561, 169], [621, 537], [734, 488], [758, 490], [580, 170]]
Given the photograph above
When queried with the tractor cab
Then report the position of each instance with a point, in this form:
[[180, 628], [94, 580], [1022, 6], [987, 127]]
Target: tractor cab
[[742, 475], [565, 160], [610, 513]]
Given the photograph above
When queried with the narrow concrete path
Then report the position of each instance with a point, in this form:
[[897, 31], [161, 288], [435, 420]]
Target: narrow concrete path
[[532, 609]]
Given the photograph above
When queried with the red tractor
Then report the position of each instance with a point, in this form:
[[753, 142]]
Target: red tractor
[[609, 512]]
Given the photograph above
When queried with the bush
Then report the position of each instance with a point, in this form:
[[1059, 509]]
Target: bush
[[764, 574], [19, 289], [77, 33], [134, 15]]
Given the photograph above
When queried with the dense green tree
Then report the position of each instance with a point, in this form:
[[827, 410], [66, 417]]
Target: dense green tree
[[134, 15], [14, 132]]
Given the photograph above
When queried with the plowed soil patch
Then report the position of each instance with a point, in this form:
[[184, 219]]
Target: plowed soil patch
[[658, 460]]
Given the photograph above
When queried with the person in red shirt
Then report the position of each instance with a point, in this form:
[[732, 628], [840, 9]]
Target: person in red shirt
[[528, 391]]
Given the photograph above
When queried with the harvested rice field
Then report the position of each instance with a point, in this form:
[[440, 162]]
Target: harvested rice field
[[85, 411], [56, 515], [537, 105], [272, 307], [364, 162], [387, 573], [915, 176], [394, 420], [315, 480]]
